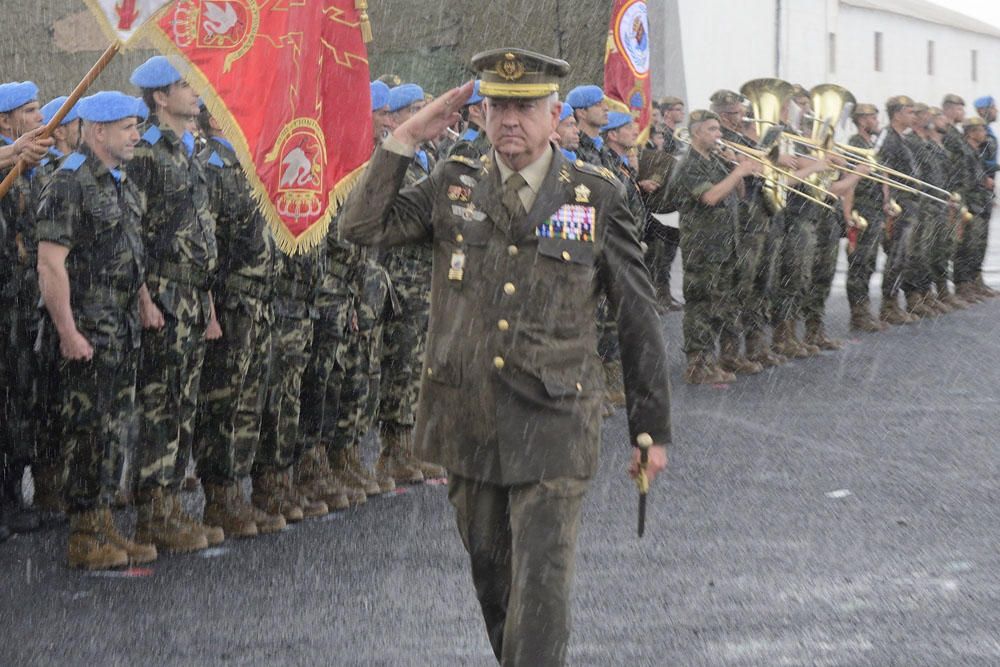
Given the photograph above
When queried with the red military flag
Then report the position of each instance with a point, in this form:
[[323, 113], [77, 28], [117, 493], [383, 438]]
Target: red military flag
[[627, 62], [122, 19], [289, 82]]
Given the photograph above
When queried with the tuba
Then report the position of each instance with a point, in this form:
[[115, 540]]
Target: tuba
[[831, 107], [768, 97]]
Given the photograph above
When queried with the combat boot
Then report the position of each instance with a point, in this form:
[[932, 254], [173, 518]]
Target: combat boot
[[701, 370], [793, 335], [48, 487], [157, 525], [816, 335], [862, 320], [614, 383], [891, 313], [916, 305], [270, 495], [89, 547], [983, 288], [316, 481], [732, 361], [214, 535], [785, 342], [428, 469], [966, 291], [932, 301], [392, 460], [758, 351], [341, 473], [223, 508], [311, 507], [373, 485], [945, 296], [138, 554]]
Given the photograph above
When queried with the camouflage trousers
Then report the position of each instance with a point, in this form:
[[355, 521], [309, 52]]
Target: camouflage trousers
[[709, 305], [917, 272], [861, 262], [660, 253], [404, 338], [233, 383], [896, 245], [941, 250], [970, 250], [794, 250], [168, 384], [321, 383], [97, 399], [753, 270], [828, 228], [291, 340], [358, 376]]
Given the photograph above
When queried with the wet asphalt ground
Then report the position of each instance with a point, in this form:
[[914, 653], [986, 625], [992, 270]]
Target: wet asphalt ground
[[841, 510]]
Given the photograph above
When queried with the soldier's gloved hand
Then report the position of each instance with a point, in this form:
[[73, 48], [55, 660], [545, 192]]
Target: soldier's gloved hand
[[656, 464], [75, 347], [430, 122], [31, 148]]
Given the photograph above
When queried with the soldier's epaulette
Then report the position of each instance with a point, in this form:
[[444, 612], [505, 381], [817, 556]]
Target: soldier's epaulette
[[594, 170], [152, 135], [467, 161], [73, 161], [216, 161]]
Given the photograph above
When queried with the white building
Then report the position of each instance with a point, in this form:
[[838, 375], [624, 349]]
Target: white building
[[874, 48]]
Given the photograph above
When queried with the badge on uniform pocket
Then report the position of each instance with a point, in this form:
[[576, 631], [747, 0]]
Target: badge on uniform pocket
[[456, 270]]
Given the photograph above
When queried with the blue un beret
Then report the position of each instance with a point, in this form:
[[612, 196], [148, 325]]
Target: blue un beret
[[50, 109], [157, 72], [14, 95], [380, 95], [476, 98], [109, 106], [404, 95], [984, 102], [582, 97], [617, 119], [566, 112]]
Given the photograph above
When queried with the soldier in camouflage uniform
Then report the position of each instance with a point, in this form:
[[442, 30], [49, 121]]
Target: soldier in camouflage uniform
[[175, 304], [473, 143], [978, 196], [591, 113], [20, 114], [704, 192], [91, 263], [942, 242], [234, 376], [404, 331], [297, 281]]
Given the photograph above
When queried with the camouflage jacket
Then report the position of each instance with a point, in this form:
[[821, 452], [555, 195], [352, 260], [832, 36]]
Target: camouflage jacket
[[85, 209], [20, 248], [957, 170], [629, 177], [589, 150], [177, 225], [869, 199], [897, 154], [297, 283], [709, 231], [408, 264], [247, 252], [336, 292], [931, 159], [472, 144]]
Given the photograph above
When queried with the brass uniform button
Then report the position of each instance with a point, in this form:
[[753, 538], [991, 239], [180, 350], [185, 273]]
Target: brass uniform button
[[430, 372], [509, 289], [503, 325], [565, 255], [498, 363], [459, 238], [512, 250], [579, 387]]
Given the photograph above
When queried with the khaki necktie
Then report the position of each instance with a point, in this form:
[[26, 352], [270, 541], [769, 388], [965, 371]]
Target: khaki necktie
[[511, 200]]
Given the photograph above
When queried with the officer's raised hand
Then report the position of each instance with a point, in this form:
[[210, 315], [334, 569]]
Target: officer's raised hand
[[430, 122]]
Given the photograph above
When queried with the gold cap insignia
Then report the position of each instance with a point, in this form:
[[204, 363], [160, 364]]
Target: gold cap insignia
[[510, 68]]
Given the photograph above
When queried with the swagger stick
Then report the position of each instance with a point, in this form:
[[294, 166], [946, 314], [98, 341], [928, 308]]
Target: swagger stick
[[642, 481], [73, 98]]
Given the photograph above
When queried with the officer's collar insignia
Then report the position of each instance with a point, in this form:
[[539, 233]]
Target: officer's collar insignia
[[564, 175], [582, 194], [510, 68]]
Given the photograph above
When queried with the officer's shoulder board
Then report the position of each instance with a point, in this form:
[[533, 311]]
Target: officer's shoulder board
[[152, 135], [73, 161], [467, 161], [215, 160], [593, 170]]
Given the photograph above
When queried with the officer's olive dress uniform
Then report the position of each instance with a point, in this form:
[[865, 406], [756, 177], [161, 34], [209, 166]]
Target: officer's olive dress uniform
[[510, 400]]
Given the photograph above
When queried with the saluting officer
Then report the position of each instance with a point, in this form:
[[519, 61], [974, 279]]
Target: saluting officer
[[510, 401]]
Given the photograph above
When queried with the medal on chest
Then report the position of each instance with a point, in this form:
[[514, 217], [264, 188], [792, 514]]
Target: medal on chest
[[456, 269]]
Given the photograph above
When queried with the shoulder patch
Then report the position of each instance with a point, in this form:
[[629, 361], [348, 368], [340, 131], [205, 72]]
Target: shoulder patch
[[152, 135], [73, 161], [593, 170], [468, 162], [216, 161]]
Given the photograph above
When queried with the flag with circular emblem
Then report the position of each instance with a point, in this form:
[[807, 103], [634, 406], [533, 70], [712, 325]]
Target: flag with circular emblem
[[123, 19], [288, 80], [627, 62]]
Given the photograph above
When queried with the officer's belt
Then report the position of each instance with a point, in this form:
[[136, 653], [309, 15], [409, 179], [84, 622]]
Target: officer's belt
[[190, 275], [258, 289]]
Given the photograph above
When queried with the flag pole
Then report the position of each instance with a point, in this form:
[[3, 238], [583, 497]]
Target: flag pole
[[73, 98]]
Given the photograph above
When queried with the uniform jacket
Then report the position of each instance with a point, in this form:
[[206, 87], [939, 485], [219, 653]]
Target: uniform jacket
[[511, 389]]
